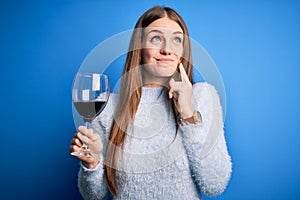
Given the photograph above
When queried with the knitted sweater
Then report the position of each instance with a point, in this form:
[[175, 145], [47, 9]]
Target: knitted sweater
[[154, 165]]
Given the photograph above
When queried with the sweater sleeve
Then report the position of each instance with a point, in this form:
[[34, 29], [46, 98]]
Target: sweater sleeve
[[205, 143], [91, 182]]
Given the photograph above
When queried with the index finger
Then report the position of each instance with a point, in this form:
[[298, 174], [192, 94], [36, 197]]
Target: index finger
[[86, 132], [183, 74]]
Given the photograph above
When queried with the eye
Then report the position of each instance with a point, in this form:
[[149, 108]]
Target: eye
[[156, 39], [177, 40]]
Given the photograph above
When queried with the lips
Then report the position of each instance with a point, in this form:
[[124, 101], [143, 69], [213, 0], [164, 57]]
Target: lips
[[164, 60]]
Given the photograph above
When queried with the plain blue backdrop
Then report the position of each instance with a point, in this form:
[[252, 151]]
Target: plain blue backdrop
[[255, 45]]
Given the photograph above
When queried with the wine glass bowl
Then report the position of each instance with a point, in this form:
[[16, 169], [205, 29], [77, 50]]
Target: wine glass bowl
[[90, 94]]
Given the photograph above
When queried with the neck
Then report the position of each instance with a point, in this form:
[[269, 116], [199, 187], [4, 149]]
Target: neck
[[152, 85], [155, 82]]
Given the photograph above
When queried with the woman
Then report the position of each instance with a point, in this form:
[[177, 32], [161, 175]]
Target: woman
[[150, 140]]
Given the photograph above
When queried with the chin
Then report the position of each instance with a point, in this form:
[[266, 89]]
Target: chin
[[165, 72], [160, 71]]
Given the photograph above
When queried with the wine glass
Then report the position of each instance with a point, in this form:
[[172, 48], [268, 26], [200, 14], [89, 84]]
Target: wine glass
[[90, 94]]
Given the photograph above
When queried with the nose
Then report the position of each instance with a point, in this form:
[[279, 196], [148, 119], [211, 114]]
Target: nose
[[166, 49]]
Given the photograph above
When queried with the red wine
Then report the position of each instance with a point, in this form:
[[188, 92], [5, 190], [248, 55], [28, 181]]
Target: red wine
[[89, 109]]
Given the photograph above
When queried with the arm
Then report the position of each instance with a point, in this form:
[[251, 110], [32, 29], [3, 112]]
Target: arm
[[91, 181], [205, 143]]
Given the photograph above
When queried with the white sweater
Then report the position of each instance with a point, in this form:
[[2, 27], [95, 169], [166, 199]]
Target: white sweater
[[154, 165]]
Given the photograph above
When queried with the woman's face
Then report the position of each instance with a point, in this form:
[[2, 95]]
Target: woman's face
[[162, 50]]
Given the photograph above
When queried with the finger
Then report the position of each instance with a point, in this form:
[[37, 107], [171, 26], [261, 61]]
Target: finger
[[77, 142], [86, 132], [170, 94], [94, 136], [175, 96], [85, 157], [83, 138], [183, 74], [171, 82], [83, 130], [174, 85], [74, 148]]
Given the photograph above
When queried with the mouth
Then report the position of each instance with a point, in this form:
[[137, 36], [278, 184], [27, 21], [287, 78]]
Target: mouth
[[164, 60]]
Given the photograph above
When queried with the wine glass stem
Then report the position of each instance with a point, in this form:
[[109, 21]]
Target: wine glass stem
[[87, 125]]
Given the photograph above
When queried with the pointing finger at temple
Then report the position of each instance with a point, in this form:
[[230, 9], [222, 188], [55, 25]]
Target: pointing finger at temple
[[184, 76]]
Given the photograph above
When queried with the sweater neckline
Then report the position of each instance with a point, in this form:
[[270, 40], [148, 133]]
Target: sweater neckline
[[153, 94]]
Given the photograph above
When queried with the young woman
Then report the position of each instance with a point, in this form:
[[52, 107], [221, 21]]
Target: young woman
[[150, 137]]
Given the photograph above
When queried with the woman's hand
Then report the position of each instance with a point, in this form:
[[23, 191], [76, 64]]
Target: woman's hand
[[94, 143], [181, 91]]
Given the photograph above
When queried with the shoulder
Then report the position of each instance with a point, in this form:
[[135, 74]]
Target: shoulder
[[206, 98], [205, 90]]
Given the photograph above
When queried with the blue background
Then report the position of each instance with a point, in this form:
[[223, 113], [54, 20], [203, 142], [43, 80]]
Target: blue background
[[255, 45]]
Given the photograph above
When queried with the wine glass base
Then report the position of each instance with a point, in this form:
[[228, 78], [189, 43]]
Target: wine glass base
[[81, 153], [85, 154]]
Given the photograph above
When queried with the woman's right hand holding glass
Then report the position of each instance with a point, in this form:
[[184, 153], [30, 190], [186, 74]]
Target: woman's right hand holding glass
[[94, 143]]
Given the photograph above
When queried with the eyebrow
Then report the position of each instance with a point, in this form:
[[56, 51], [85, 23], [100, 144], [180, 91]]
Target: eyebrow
[[158, 31]]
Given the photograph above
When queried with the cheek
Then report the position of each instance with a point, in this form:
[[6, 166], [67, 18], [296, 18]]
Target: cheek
[[179, 53], [148, 55]]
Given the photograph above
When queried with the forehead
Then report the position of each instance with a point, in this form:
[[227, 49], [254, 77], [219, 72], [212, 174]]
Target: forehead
[[165, 24]]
